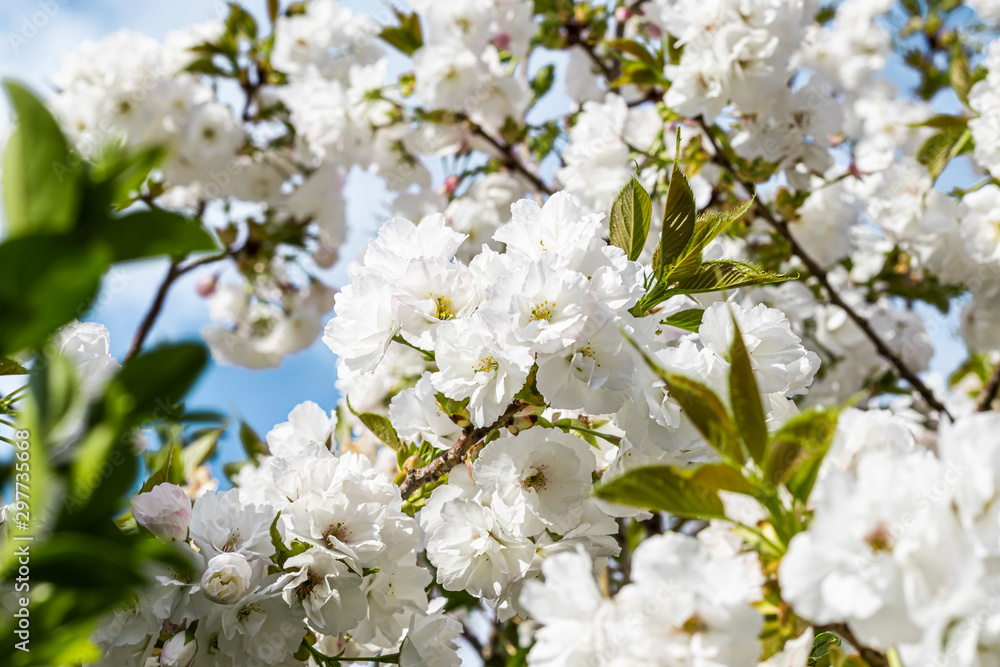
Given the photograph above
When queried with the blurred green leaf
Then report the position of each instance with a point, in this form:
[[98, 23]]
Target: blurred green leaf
[[797, 449], [252, 443], [152, 233], [11, 367], [408, 36], [45, 281], [41, 178]]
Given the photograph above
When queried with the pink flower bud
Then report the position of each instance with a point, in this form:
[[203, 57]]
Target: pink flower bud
[[501, 41], [623, 14], [206, 286], [165, 511]]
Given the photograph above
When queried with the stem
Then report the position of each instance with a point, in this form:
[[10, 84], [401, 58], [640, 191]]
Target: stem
[[442, 465], [154, 310], [781, 226], [869, 655], [989, 391]]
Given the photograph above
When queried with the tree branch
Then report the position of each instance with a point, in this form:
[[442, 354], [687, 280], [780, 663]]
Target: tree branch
[[154, 310], [510, 160], [869, 655], [442, 465], [818, 272], [989, 391]]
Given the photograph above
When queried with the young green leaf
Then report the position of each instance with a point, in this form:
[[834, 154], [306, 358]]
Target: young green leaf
[[938, 151], [797, 449], [679, 215], [720, 274], [41, 177], [252, 444], [706, 228], [407, 37], [688, 320], [630, 216], [11, 367], [201, 449], [687, 492], [748, 411], [162, 475], [702, 407], [379, 425]]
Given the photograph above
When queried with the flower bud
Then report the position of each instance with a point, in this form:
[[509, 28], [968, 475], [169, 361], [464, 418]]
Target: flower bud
[[165, 511], [226, 578], [623, 14], [179, 650], [206, 285]]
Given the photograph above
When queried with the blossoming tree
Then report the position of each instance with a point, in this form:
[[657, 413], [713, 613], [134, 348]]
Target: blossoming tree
[[635, 373]]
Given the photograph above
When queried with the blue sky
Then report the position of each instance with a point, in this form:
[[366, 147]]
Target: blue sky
[[43, 31]]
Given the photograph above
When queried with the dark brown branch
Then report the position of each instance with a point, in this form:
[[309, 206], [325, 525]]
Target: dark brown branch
[[818, 272], [989, 391], [442, 465], [869, 655], [510, 160], [154, 310]]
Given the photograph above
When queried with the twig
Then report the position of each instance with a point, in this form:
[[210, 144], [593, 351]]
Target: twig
[[442, 465], [817, 271], [989, 391], [154, 310], [510, 160], [869, 655]]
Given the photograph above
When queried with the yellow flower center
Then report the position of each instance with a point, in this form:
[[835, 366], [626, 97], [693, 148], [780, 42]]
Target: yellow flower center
[[486, 365], [542, 311]]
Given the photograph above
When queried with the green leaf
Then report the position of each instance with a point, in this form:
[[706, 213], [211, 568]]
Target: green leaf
[[797, 449], [701, 406], [938, 151], [152, 233], [542, 82], [822, 643], [686, 492], [200, 450], [748, 411], [281, 552], [11, 367], [679, 216], [151, 385], [688, 320], [162, 476], [408, 37], [41, 177], [252, 444], [960, 74], [706, 228], [942, 121], [721, 274], [45, 281], [379, 425], [273, 9], [240, 22], [630, 216], [122, 174], [634, 48]]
